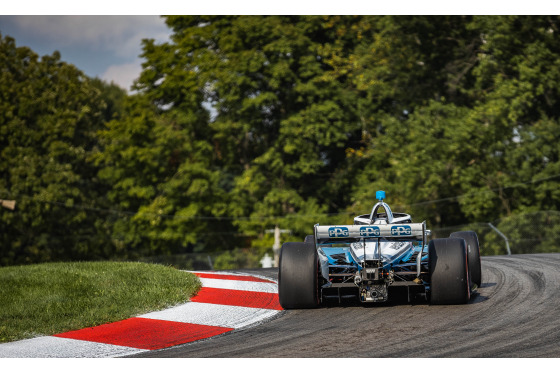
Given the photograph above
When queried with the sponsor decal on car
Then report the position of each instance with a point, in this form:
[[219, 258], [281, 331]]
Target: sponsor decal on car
[[339, 232], [401, 230], [369, 231]]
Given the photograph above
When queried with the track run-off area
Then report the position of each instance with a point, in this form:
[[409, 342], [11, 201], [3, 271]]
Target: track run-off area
[[515, 313]]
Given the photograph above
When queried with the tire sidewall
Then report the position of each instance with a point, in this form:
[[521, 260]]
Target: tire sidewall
[[449, 273], [473, 254], [298, 276]]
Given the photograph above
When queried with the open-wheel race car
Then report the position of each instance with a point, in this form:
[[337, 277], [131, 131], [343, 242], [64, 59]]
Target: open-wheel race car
[[380, 251]]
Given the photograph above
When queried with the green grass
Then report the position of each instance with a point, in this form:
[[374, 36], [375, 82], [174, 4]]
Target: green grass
[[51, 298]]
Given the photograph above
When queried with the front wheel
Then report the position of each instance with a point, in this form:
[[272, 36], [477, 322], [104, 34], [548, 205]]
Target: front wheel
[[298, 276], [449, 272]]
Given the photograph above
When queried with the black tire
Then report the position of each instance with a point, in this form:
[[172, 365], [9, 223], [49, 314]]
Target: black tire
[[449, 272], [298, 276], [309, 239], [473, 254]]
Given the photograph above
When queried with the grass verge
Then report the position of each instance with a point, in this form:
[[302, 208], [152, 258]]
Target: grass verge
[[51, 298]]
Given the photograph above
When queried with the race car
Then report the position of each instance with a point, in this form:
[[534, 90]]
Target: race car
[[378, 253]]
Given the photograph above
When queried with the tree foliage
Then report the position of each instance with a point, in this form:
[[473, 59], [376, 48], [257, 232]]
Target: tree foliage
[[243, 123], [49, 115]]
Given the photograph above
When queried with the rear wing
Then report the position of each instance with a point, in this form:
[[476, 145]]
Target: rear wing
[[351, 233]]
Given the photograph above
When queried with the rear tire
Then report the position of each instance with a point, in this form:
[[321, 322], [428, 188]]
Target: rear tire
[[473, 254], [309, 239], [449, 272], [298, 276]]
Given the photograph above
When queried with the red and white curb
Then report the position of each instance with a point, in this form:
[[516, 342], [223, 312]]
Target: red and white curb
[[226, 301]]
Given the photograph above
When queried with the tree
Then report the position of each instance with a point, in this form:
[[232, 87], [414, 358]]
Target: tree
[[468, 137], [162, 179], [517, 113], [278, 126], [49, 113], [412, 76]]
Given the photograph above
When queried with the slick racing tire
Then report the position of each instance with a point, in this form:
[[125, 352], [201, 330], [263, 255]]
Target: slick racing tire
[[309, 239], [447, 259], [298, 276], [473, 256]]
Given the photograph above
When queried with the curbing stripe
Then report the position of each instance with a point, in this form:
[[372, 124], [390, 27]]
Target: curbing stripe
[[250, 299], [145, 333], [213, 314], [239, 285], [232, 277], [54, 347]]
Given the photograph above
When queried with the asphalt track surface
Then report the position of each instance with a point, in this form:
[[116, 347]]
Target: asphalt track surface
[[516, 313]]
